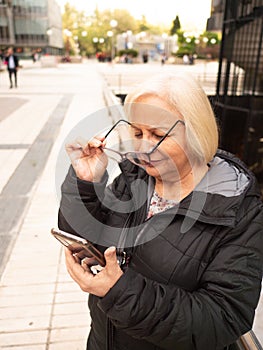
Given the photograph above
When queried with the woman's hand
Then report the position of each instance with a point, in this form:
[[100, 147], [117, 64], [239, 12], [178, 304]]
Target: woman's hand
[[100, 283], [88, 158]]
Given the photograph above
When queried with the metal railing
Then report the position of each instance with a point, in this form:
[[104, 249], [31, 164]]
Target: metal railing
[[248, 341]]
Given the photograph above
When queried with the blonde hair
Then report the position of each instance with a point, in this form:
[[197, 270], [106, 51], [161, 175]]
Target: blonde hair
[[186, 96]]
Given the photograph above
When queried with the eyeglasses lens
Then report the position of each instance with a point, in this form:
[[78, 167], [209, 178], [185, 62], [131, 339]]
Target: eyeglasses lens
[[138, 158], [112, 154], [118, 142], [118, 135], [120, 145]]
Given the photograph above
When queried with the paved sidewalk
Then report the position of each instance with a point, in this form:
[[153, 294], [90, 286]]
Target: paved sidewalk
[[41, 308]]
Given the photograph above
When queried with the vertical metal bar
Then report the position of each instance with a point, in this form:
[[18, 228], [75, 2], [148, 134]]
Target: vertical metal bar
[[222, 47], [227, 74], [258, 58]]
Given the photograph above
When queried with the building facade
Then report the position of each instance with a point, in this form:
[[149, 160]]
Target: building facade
[[31, 26], [215, 21], [153, 45]]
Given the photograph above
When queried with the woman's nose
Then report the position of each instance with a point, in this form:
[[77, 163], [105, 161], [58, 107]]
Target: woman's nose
[[145, 144]]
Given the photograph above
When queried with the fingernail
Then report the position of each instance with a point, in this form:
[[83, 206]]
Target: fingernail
[[111, 249]]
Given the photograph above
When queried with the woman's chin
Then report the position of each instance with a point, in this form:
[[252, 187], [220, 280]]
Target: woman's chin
[[152, 170]]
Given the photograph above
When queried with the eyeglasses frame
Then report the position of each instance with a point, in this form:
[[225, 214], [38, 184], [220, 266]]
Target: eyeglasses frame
[[123, 155]]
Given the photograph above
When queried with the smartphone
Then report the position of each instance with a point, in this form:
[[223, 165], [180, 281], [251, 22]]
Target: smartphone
[[79, 246]]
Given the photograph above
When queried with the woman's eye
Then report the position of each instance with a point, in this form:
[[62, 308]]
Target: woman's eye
[[140, 135], [158, 136]]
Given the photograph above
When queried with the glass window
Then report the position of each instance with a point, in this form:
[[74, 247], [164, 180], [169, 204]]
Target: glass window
[[24, 26], [3, 20]]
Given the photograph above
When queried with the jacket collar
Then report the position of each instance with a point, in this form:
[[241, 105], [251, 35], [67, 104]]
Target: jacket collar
[[213, 201]]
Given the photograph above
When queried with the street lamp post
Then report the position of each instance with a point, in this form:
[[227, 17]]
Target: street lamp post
[[110, 33], [49, 32], [95, 42], [68, 35], [127, 43], [165, 45]]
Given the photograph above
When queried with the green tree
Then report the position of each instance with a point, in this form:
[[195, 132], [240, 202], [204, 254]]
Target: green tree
[[176, 26], [70, 19], [142, 24], [211, 38], [89, 32]]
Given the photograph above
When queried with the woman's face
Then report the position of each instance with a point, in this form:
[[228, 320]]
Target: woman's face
[[151, 118]]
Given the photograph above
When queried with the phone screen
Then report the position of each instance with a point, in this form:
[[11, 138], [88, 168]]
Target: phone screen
[[79, 246]]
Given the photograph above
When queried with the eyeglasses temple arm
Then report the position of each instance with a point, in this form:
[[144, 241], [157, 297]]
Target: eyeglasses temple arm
[[121, 120], [164, 136]]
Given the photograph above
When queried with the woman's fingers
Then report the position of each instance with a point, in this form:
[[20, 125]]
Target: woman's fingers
[[94, 279], [87, 158], [111, 257], [77, 144], [86, 148], [78, 273]]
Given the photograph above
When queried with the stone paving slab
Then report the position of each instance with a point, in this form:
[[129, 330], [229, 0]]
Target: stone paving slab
[[15, 195], [40, 306], [9, 105]]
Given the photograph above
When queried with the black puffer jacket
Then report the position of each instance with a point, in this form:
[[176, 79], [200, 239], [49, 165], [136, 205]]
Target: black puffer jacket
[[194, 278]]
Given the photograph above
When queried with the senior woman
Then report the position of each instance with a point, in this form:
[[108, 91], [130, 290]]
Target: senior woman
[[186, 219]]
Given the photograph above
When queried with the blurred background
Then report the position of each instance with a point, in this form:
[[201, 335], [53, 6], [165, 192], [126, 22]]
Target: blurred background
[[227, 33]]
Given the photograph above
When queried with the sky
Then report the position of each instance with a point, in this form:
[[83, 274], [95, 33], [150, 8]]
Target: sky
[[193, 14]]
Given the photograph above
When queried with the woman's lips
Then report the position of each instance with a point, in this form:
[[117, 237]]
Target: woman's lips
[[153, 163]]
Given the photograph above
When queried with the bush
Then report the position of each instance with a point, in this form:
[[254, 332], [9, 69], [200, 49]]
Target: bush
[[130, 52]]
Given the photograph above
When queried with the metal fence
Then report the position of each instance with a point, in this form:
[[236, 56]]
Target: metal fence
[[238, 102]]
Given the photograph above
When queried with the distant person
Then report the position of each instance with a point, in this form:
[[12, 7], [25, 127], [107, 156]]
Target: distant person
[[34, 57], [145, 57], [191, 59], [1, 59], [186, 59], [12, 66], [164, 58]]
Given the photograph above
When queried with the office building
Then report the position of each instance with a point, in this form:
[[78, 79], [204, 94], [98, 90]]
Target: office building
[[31, 26]]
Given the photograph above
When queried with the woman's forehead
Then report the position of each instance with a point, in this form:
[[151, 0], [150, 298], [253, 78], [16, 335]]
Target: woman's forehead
[[148, 126], [155, 116]]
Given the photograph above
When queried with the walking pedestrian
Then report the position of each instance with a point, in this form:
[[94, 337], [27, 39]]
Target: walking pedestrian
[[163, 59], [12, 66]]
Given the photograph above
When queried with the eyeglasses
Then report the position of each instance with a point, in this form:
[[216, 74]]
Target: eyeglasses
[[138, 158]]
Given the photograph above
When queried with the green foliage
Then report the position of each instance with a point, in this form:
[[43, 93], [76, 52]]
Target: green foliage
[[88, 33], [181, 38], [213, 38], [142, 25], [122, 16], [176, 26], [130, 52], [206, 43], [184, 50], [84, 29]]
